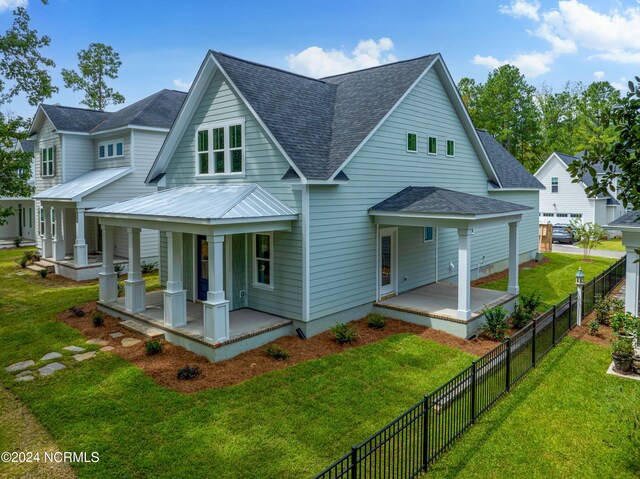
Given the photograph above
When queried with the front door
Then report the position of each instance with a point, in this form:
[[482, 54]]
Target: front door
[[387, 261], [202, 259]]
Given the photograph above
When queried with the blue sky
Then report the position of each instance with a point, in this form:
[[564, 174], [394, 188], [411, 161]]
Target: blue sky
[[163, 43]]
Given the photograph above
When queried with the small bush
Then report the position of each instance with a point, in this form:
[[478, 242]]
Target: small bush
[[616, 305], [17, 241], [495, 325], [98, 319], [276, 352], [625, 323], [120, 288], [602, 308], [43, 273], [30, 255], [593, 327], [530, 302], [22, 262], [147, 267], [344, 333], [188, 372], [118, 268], [77, 312], [623, 348], [376, 321], [520, 317], [154, 346]]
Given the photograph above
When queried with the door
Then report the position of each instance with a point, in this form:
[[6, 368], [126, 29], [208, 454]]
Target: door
[[387, 261], [202, 260]]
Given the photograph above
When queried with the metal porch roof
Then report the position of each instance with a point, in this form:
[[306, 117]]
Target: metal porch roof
[[84, 184]]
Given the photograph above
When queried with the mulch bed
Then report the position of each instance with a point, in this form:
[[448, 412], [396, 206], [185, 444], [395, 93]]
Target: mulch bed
[[505, 273], [162, 368]]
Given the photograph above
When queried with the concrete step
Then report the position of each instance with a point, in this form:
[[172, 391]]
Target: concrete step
[[43, 264], [142, 328]]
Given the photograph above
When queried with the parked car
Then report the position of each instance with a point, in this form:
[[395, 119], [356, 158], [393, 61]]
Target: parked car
[[562, 234]]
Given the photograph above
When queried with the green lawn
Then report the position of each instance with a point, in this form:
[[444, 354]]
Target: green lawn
[[566, 419], [285, 424], [612, 245], [556, 278]]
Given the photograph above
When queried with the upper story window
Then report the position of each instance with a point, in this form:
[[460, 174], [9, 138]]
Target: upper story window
[[111, 149], [47, 161], [412, 142], [451, 148], [220, 148], [427, 234], [554, 185], [433, 145]]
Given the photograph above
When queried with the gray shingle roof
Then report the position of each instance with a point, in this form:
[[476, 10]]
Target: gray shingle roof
[[434, 200], [509, 170], [157, 111], [587, 179], [28, 145], [629, 219], [67, 118]]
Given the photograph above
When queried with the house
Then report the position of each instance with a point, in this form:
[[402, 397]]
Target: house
[[629, 226], [289, 203], [21, 224], [85, 159], [563, 200]]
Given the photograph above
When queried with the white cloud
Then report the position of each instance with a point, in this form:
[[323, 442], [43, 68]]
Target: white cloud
[[622, 85], [599, 75], [521, 8], [531, 64], [182, 85], [11, 4], [318, 62]]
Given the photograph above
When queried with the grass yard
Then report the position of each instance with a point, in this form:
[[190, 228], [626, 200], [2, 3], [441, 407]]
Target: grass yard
[[556, 278], [614, 244], [566, 419], [285, 424]]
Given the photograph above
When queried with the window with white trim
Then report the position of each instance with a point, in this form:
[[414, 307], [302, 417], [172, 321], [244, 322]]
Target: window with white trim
[[433, 145], [548, 215], [47, 159], [427, 234], [263, 260], [42, 218], [554, 185], [451, 148], [576, 215], [412, 142], [110, 149], [562, 215], [220, 148], [53, 222]]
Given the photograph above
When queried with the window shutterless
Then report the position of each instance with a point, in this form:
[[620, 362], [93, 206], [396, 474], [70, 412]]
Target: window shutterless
[[433, 145], [412, 142], [451, 148], [47, 159], [220, 149], [263, 272], [111, 149]]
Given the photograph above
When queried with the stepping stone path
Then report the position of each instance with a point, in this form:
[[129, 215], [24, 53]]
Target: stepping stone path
[[101, 342], [84, 356], [24, 373], [19, 366], [128, 342], [49, 356], [26, 377], [75, 349], [107, 348], [116, 335], [50, 368]]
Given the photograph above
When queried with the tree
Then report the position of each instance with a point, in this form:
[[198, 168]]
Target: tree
[[469, 92], [95, 64], [596, 132], [23, 71], [587, 235], [559, 119]]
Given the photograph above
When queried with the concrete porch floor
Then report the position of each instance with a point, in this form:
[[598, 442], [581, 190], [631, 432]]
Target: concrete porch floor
[[440, 300], [95, 259]]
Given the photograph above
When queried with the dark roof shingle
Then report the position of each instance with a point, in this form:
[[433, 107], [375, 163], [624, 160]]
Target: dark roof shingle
[[632, 218], [67, 118]]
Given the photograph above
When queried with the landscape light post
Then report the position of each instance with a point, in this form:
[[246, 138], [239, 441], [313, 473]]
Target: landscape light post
[[580, 285]]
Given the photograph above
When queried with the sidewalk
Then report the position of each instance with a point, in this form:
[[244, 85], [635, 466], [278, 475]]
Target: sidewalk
[[570, 249]]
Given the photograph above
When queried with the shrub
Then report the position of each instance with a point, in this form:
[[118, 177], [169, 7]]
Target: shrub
[[30, 255], [593, 327], [77, 312], [17, 241], [602, 309], [616, 305], [376, 321], [188, 372], [154, 346], [520, 317], [43, 272], [495, 325], [120, 288], [625, 323], [147, 267], [98, 319], [530, 302], [623, 348], [118, 268], [276, 352], [22, 262], [344, 333]]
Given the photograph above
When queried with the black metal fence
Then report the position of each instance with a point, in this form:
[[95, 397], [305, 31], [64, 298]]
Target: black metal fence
[[408, 445]]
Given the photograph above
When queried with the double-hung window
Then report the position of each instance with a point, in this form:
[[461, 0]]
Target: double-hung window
[[554, 185], [428, 234], [111, 149], [263, 260], [47, 161], [53, 222], [42, 219], [220, 148], [412, 142], [451, 148], [433, 145]]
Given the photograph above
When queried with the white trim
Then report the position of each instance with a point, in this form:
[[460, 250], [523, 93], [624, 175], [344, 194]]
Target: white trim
[[48, 145], [194, 267], [437, 245], [446, 148], [271, 259], [306, 292], [228, 270], [62, 159], [407, 141], [393, 233], [494, 190], [428, 145], [564, 165], [225, 125], [128, 127], [106, 144], [132, 149], [445, 216], [432, 234]]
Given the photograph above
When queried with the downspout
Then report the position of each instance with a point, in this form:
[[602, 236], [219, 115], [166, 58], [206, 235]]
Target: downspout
[[437, 254], [305, 252]]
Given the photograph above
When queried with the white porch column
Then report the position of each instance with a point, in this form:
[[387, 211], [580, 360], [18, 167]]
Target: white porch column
[[58, 240], [216, 307], [513, 258], [47, 250], [134, 286], [175, 297], [80, 253], [464, 273], [633, 282], [108, 277]]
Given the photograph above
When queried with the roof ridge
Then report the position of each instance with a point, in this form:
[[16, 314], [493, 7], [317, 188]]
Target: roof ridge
[[251, 189], [77, 108], [445, 192], [380, 66]]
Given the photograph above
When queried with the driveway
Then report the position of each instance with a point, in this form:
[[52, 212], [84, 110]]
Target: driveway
[[571, 249]]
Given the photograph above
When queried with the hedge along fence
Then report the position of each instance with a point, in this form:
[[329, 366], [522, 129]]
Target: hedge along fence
[[409, 444]]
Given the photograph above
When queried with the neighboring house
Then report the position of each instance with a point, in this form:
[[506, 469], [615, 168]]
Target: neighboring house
[[289, 202], [629, 225], [563, 200], [22, 222], [87, 158]]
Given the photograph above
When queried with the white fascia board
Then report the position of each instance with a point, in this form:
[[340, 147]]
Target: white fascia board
[[129, 127], [67, 132], [494, 190], [446, 216], [39, 112], [197, 221]]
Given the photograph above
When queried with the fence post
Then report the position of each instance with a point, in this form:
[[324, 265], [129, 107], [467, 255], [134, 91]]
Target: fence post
[[473, 391], [533, 344], [554, 324], [508, 364], [354, 462], [571, 311], [425, 434]]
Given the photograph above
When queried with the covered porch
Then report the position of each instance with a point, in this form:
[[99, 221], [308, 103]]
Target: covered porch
[[213, 215]]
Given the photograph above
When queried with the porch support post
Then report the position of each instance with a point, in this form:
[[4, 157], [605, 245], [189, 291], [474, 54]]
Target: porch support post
[[175, 296], [134, 287], [80, 254], [464, 273], [47, 250], [513, 258], [108, 277], [216, 307], [58, 240], [633, 282]]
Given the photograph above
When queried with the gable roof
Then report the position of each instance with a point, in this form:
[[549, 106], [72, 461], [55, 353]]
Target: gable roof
[[28, 145], [587, 179], [510, 171], [69, 118]]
